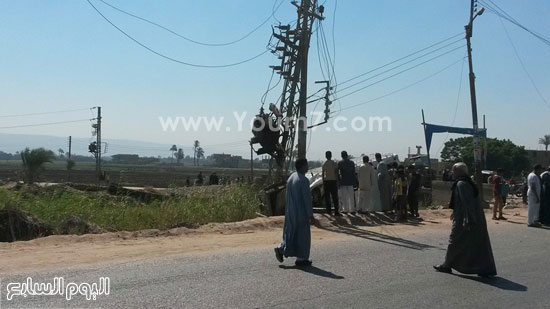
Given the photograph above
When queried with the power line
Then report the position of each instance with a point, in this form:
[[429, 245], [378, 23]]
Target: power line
[[400, 72], [44, 113], [456, 106], [502, 14], [406, 87], [168, 57], [44, 124], [523, 65], [275, 9], [402, 64], [402, 58]]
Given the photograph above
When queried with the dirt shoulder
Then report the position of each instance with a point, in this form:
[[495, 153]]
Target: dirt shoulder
[[61, 251]]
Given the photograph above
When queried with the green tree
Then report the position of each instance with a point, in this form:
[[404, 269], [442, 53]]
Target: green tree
[[179, 155], [196, 146], [545, 141], [173, 149], [70, 164], [33, 162], [61, 152], [200, 154], [500, 153]]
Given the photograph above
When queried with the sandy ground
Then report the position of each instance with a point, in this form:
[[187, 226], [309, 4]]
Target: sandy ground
[[61, 251]]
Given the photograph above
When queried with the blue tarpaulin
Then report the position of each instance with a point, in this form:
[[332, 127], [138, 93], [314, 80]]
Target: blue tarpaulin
[[430, 129]]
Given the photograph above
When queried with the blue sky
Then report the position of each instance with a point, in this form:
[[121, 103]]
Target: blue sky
[[60, 55]]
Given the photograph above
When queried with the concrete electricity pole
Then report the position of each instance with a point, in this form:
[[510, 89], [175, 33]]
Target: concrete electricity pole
[[98, 158], [307, 9], [70, 146], [477, 149]]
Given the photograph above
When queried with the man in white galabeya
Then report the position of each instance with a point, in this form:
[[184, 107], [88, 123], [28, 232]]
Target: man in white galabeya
[[533, 196], [298, 217]]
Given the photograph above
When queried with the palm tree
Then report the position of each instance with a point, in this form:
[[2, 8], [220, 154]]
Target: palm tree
[[61, 152], [179, 155], [545, 141], [33, 162], [200, 154], [196, 146], [173, 149]]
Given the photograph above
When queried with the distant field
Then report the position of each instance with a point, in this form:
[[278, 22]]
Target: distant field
[[155, 175]]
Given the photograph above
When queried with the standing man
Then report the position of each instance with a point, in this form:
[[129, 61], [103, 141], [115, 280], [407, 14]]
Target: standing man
[[298, 217], [469, 250], [366, 186], [330, 183], [415, 182], [533, 196], [348, 180], [400, 194], [545, 197], [384, 183], [497, 181]]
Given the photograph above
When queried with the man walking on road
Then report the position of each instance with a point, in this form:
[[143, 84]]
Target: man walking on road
[[469, 250], [330, 183], [298, 217]]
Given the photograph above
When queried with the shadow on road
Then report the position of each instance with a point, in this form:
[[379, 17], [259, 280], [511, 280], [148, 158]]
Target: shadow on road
[[497, 282], [342, 225], [314, 270]]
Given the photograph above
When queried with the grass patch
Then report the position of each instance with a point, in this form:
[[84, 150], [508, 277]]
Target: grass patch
[[53, 205]]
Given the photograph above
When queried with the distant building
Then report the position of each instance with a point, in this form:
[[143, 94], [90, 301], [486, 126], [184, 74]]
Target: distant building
[[132, 159], [541, 157], [225, 160]]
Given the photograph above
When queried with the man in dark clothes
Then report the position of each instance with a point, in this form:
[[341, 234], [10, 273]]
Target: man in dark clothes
[[469, 249], [347, 180], [415, 181], [544, 216]]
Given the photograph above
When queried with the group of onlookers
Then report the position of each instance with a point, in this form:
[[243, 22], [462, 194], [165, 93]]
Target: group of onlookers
[[214, 179], [538, 197], [373, 187]]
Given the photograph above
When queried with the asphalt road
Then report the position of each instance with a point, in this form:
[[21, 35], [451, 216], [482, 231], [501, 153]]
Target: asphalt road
[[369, 270]]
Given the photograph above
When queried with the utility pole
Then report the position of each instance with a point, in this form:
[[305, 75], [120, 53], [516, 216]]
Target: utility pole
[[95, 147], [70, 145], [98, 158], [290, 116], [477, 149], [251, 163], [69, 163], [308, 16]]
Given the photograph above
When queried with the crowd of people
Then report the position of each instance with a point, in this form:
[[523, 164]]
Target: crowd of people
[[214, 179], [536, 195], [389, 188]]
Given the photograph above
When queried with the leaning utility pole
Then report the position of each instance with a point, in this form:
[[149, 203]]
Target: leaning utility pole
[[289, 119], [308, 16], [477, 149]]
